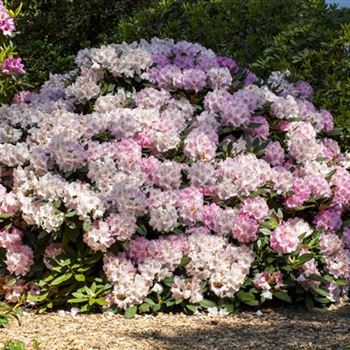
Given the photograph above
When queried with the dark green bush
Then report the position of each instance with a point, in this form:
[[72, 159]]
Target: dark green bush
[[317, 51], [238, 28], [52, 31]]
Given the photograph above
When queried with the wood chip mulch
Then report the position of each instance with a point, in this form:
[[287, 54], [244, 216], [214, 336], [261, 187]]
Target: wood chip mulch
[[273, 329]]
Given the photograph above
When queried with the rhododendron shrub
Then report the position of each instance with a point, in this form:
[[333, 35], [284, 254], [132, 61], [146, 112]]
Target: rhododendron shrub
[[11, 67], [159, 176]]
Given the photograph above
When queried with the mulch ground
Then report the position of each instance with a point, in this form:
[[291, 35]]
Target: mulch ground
[[274, 330]]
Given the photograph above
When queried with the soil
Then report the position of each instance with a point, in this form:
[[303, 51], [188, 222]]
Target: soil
[[271, 329]]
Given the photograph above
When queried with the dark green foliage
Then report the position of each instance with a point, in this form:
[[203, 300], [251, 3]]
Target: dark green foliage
[[13, 345], [317, 51], [238, 28]]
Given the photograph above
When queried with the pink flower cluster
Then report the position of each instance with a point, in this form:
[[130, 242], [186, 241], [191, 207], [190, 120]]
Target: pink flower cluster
[[246, 225], [211, 259], [7, 23], [286, 238], [13, 65], [19, 257], [10, 66], [102, 234]]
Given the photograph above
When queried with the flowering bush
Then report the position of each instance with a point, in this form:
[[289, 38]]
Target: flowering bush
[[11, 67], [159, 176]]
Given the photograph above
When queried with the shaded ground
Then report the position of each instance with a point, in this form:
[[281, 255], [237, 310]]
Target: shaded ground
[[278, 329]]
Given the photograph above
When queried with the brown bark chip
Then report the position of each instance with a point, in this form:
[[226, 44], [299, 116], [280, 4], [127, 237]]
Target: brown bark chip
[[279, 329]]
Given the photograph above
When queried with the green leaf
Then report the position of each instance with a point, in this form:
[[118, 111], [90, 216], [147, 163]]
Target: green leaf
[[78, 300], [4, 321], [265, 231], [14, 345], [18, 9], [206, 303], [101, 301], [85, 308], [227, 130], [323, 300], [144, 308], [228, 306], [335, 132], [8, 226], [168, 281], [259, 243], [37, 298], [269, 224], [94, 287], [42, 234], [149, 301], [170, 302], [328, 278], [315, 277], [342, 282], [57, 203], [142, 230], [229, 148], [61, 279], [282, 296], [321, 292], [130, 312], [304, 258], [245, 296], [71, 214], [5, 215], [280, 213], [254, 125], [86, 225], [178, 231], [156, 307], [185, 260], [251, 302], [191, 308], [79, 277], [79, 295]]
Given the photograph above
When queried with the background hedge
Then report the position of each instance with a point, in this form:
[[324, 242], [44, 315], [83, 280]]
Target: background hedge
[[317, 51]]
